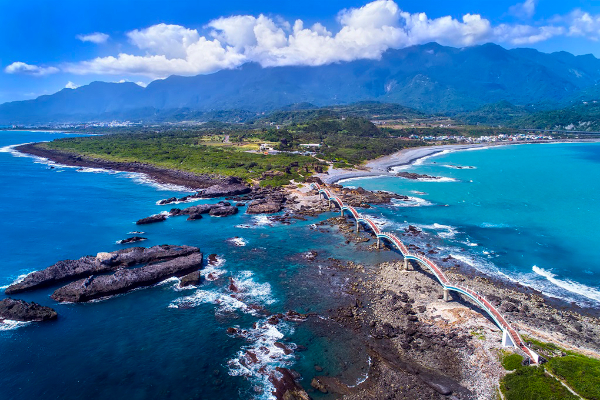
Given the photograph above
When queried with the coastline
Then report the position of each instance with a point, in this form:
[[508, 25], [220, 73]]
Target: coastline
[[416, 286], [381, 166], [165, 176]]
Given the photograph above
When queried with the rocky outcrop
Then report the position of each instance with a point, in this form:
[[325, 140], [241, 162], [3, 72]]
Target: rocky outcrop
[[198, 210], [269, 204], [102, 263], [412, 175], [124, 280], [19, 310], [191, 279], [133, 239], [225, 190], [151, 219], [359, 197], [224, 211], [286, 387]]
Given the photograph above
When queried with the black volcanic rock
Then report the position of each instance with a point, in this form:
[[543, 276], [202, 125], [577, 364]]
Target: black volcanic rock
[[151, 219], [224, 211], [125, 280], [19, 310], [103, 262], [414, 176], [132, 240], [191, 279]]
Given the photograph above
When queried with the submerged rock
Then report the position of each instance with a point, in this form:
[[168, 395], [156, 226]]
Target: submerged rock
[[103, 262], [412, 175], [125, 280], [132, 240], [151, 219], [19, 310]]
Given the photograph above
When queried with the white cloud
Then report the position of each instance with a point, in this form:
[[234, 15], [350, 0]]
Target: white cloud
[[71, 85], [96, 37], [524, 10], [583, 24], [26, 69], [363, 33]]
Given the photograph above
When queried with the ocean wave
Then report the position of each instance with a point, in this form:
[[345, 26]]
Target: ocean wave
[[16, 280], [458, 166], [144, 179], [238, 241], [9, 325], [246, 295], [359, 178], [258, 361], [569, 285], [437, 179], [539, 279], [493, 225], [411, 202], [443, 231]]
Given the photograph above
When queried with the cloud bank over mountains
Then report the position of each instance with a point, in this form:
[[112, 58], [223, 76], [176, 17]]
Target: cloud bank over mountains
[[364, 33]]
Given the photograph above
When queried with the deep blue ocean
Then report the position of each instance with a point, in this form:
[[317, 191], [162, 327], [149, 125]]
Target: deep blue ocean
[[525, 213]]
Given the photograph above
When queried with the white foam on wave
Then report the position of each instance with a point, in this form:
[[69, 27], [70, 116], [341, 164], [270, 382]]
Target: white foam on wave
[[9, 325], [569, 285], [259, 360], [411, 202], [360, 178], [249, 293], [539, 279], [238, 241], [443, 231], [437, 179], [458, 166], [18, 279], [144, 179]]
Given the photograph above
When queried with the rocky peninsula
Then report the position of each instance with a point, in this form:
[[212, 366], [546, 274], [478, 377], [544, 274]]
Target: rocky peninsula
[[125, 280], [99, 264]]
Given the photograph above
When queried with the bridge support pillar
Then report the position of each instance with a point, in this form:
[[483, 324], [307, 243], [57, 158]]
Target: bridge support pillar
[[406, 265], [446, 294], [329, 205], [357, 227], [506, 339], [378, 243], [341, 212]]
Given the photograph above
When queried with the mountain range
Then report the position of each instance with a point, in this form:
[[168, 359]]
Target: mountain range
[[429, 78]]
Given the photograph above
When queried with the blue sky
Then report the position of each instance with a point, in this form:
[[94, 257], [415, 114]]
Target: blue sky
[[47, 46]]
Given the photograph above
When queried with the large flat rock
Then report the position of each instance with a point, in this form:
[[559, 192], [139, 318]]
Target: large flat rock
[[102, 263], [125, 280]]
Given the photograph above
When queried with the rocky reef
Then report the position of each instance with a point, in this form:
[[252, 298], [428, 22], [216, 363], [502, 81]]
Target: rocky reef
[[220, 209], [414, 176], [124, 280], [101, 263], [19, 310], [151, 219]]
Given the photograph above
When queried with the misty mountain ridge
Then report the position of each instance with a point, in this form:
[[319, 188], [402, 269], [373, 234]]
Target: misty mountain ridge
[[429, 78]]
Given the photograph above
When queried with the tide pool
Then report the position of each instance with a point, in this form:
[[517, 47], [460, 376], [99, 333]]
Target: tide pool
[[526, 213]]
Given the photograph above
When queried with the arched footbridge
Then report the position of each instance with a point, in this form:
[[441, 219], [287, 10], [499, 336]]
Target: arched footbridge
[[510, 336]]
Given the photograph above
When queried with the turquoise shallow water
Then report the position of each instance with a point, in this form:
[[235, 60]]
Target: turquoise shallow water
[[528, 213], [159, 342]]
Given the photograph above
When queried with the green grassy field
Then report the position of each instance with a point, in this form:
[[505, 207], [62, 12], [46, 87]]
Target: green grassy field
[[580, 373]]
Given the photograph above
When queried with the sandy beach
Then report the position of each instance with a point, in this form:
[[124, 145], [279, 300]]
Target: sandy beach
[[381, 166]]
